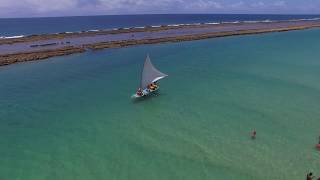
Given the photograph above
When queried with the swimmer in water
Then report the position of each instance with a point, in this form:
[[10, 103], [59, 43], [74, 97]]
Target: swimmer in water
[[253, 134], [310, 176], [318, 146]]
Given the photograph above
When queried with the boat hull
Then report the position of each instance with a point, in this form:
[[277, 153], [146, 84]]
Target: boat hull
[[145, 92]]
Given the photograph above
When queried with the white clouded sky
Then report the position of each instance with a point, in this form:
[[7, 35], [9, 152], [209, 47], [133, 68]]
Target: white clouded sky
[[26, 8]]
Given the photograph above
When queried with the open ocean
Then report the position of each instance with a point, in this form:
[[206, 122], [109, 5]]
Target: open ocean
[[29, 26], [72, 117]]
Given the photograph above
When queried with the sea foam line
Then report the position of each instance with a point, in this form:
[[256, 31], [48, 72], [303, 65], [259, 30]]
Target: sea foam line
[[177, 25], [11, 37]]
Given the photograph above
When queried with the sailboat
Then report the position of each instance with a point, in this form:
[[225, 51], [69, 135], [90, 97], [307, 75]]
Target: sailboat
[[149, 78]]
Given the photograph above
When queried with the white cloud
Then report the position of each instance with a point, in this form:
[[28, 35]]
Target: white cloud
[[51, 5], [239, 4], [85, 7], [202, 5], [280, 3], [131, 5], [258, 4], [5, 4], [37, 6]]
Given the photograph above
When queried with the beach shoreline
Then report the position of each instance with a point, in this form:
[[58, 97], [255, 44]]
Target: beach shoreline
[[130, 37]]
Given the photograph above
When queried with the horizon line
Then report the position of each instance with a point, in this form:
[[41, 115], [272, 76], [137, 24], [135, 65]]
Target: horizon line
[[141, 14]]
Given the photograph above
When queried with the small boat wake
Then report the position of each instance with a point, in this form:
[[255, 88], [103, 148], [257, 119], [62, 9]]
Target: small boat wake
[[150, 97]]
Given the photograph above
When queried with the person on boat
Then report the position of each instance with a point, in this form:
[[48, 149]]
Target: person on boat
[[155, 85], [310, 176], [139, 92], [253, 134], [152, 86]]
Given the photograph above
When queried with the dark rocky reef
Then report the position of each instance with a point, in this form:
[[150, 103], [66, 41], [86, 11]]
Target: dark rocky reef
[[38, 55]]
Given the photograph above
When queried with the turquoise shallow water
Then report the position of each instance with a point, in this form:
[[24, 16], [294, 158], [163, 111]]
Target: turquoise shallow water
[[72, 117]]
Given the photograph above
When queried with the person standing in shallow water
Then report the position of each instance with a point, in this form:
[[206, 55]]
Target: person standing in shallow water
[[318, 145], [310, 176], [253, 134]]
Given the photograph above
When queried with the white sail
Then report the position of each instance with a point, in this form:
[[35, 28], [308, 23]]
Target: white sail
[[150, 74]]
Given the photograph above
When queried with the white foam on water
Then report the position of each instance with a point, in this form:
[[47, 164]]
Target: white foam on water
[[251, 21], [173, 25], [11, 37], [212, 23]]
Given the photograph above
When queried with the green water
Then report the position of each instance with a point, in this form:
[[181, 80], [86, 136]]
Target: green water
[[72, 117]]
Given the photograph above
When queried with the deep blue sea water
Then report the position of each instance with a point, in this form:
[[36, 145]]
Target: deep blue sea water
[[28, 26]]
